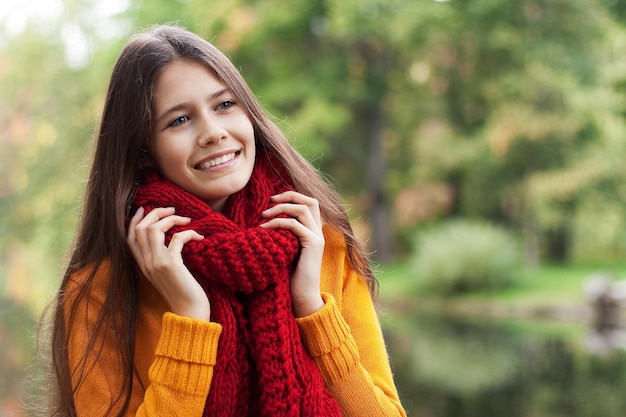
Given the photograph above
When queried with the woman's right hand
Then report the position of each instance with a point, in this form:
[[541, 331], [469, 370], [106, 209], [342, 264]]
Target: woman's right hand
[[163, 265]]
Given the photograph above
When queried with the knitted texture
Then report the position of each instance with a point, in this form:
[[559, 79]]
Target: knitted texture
[[262, 367]]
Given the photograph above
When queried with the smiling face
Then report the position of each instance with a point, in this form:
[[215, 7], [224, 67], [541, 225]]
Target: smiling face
[[203, 140]]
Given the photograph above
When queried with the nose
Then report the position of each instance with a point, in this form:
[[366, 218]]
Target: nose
[[211, 131]]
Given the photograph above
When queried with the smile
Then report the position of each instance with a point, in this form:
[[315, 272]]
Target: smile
[[218, 161]]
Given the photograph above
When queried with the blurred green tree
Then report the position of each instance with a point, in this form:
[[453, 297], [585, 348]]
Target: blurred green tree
[[497, 110], [528, 110]]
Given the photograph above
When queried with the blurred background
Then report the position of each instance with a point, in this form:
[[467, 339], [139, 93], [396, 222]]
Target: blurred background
[[479, 146]]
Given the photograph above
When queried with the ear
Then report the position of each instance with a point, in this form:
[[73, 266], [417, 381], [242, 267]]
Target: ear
[[145, 160]]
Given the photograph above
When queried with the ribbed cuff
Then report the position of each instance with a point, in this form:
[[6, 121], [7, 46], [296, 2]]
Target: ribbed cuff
[[329, 341], [188, 339], [185, 354]]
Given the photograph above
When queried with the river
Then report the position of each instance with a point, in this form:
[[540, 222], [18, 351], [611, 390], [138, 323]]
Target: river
[[463, 367]]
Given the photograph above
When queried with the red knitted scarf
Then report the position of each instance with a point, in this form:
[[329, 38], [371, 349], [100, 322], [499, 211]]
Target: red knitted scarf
[[262, 367]]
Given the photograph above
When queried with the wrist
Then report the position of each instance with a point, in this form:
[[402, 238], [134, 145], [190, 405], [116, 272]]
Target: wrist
[[194, 311], [307, 306]]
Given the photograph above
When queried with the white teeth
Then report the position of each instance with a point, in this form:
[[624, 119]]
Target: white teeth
[[217, 161]]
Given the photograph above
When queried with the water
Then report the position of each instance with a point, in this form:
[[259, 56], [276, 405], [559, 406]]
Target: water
[[451, 367], [444, 366]]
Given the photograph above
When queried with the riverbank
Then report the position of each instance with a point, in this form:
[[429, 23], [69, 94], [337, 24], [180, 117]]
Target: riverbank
[[551, 292]]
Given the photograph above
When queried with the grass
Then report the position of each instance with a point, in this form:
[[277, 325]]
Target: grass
[[552, 290]]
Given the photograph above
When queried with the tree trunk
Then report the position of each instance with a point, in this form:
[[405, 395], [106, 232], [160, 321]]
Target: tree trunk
[[381, 240], [530, 233]]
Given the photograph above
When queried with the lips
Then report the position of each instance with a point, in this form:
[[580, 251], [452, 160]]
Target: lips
[[220, 160]]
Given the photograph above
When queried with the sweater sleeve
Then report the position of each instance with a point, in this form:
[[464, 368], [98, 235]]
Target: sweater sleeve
[[345, 340], [179, 376]]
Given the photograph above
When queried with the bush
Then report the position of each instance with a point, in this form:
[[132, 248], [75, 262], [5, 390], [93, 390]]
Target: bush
[[461, 256]]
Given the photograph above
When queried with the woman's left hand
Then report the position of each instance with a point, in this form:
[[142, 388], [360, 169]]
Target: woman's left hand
[[304, 221]]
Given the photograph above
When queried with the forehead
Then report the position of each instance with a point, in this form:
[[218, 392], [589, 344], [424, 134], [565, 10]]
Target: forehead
[[182, 80]]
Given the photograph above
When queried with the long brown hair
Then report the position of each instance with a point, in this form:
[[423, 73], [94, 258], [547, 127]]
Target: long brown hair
[[125, 129]]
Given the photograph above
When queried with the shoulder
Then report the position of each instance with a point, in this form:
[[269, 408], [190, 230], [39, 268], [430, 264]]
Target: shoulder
[[98, 273], [90, 281], [335, 240], [338, 272], [335, 251]]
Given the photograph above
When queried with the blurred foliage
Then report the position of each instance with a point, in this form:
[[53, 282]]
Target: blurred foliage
[[16, 355], [417, 110], [461, 256]]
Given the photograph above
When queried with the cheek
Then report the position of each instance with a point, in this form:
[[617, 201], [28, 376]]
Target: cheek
[[251, 137], [245, 127], [169, 158]]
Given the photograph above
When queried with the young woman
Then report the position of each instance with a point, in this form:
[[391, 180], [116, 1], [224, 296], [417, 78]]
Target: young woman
[[214, 272]]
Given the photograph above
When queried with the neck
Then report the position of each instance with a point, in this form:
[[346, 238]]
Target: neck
[[217, 205]]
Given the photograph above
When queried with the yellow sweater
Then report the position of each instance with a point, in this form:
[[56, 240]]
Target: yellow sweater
[[174, 355]]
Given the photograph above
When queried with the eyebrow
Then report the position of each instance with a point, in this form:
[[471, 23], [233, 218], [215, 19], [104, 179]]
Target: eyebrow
[[181, 106]]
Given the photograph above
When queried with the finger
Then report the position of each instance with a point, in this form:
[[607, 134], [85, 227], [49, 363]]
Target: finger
[[294, 197], [303, 233], [140, 224], [142, 219], [136, 217], [299, 198], [154, 226], [149, 232], [152, 239], [181, 238], [290, 224], [131, 235], [297, 211], [158, 213], [163, 225]]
